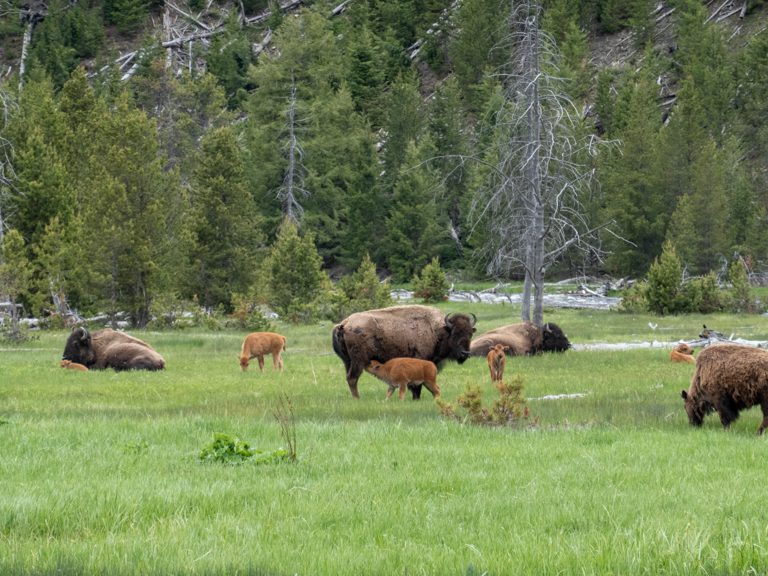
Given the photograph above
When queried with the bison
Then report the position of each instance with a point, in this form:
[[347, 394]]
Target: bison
[[401, 332], [258, 345], [682, 353], [496, 361], [522, 339], [728, 378], [73, 366], [402, 372], [110, 349]]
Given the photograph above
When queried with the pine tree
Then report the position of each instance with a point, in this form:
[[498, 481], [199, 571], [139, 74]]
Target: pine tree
[[15, 275]]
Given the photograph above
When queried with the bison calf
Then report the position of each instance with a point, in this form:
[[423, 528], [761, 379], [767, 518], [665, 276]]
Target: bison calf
[[401, 372], [497, 358], [69, 365], [728, 378], [682, 353], [259, 344]]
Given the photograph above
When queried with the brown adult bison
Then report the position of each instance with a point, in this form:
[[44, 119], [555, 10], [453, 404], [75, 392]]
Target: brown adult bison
[[728, 378], [401, 332], [110, 349], [521, 339]]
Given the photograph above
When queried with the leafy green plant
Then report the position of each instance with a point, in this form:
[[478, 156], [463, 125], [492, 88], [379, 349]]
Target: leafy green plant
[[248, 314], [431, 285], [226, 449], [664, 280]]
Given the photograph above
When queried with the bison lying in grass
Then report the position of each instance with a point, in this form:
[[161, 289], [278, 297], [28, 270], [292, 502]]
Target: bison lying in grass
[[402, 372], [729, 378], [682, 353], [110, 349], [259, 344], [522, 339]]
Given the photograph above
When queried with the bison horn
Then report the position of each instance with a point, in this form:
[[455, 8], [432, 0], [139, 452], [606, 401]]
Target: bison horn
[[84, 335], [474, 318], [547, 328], [449, 320]]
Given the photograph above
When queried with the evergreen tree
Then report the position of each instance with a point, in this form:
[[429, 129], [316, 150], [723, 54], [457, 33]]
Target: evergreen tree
[[226, 226], [297, 286], [402, 125], [15, 275]]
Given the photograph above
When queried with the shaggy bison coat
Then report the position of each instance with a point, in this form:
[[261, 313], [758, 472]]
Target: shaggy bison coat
[[259, 344], [729, 378], [110, 349], [402, 372], [400, 332], [522, 339]]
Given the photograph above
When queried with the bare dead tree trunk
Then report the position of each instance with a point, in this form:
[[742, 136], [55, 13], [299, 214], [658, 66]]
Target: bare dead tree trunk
[[26, 40], [292, 180]]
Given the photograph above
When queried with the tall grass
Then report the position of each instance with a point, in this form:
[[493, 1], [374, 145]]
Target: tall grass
[[100, 471]]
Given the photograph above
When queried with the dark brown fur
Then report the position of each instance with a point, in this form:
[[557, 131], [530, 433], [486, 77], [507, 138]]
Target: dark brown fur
[[522, 339], [729, 378], [110, 349], [400, 332]]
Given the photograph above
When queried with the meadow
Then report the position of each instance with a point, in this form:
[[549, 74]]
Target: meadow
[[100, 471]]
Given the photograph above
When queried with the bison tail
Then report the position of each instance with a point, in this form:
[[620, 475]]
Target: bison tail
[[339, 346]]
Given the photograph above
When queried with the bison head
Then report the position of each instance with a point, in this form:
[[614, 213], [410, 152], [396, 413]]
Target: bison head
[[553, 338], [79, 347], [696, 407], [460, 328]]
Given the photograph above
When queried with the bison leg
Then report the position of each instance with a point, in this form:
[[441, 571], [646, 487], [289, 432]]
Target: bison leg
[[353, 374], [433, 387], [390, 389], [764, 423], [277, 361], [401, 393], [260, 358], [415, 391], [727, 412]]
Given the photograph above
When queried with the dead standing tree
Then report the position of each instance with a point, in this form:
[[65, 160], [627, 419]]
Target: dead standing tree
[[294, 171], [532, 198]]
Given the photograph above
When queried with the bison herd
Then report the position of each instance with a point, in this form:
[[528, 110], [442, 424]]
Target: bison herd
[[405, 346]]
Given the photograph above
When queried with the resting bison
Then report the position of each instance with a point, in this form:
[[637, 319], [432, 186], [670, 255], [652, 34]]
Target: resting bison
[[73, 366], [401, 332], [258, 345], [521, 339], [110, 349], [728, 378], [496, 361], [682, 353], [402, 372]]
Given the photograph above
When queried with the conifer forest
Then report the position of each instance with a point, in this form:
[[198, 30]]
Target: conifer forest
[[158, 154]]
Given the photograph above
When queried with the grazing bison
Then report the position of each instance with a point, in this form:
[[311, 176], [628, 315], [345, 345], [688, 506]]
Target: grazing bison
[[521, 339], [728, 378], [682, 353], [110, 349], [258, 345], [72, 366], [401, 332], [402, 372], [496, 361]]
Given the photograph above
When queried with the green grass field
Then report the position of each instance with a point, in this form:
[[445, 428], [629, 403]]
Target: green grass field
[[100, 471]]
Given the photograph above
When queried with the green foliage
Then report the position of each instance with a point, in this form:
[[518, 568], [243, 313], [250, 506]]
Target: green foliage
[[15, 276], [248, 313], [297, 287], [361, 290], [228, 449], [431, 285], [664, 283], [701, 295], [741, 298], [126, 15], [509, 409]]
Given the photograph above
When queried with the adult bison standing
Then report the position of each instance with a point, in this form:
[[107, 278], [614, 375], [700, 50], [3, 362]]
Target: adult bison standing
[[110, 349], [400, 332], [729, 378]]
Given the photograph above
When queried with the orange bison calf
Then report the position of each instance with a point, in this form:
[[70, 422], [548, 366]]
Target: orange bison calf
[[400, 372], [69, 365], [729, 378], [258, 345], [682, 353], [497, 358]]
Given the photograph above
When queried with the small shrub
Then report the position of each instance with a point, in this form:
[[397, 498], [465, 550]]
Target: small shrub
[[701, 295], [740, 298], [432, 285], [634, 300], [228, 449], [248, 314], [509, 409], [664, 281], [361, 290]]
